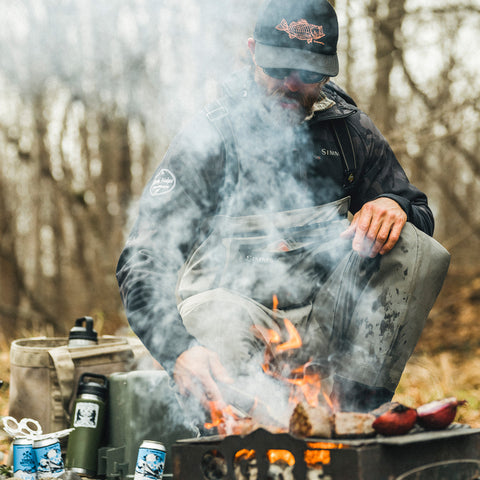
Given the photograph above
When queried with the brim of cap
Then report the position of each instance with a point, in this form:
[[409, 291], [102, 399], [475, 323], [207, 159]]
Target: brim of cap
[[268, 56]]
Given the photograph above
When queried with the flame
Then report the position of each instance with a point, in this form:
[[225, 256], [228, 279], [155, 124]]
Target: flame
[[277, 455], [224, 419], [216, 416], [329, 402], [314, 457], [268, 335], [320, 452], [305, 384], [326, 445], [310, 386], [245, 454], [294, 340], [274, 303]]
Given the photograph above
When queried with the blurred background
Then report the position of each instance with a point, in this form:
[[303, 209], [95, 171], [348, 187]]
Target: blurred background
[[92, 92]]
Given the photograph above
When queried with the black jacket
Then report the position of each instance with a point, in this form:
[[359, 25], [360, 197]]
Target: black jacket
[[250, 164]]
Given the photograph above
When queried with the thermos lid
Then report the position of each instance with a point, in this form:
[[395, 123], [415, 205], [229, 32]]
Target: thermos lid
[[83, 330], [93, 388]]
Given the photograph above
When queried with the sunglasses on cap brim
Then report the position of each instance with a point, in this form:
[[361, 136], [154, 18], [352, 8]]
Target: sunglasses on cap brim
[[304, 75]]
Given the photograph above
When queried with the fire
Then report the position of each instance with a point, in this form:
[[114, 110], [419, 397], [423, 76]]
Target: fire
[[305, 383], [320, 453], [327, 445], [224, 419], [314, 457], [275, 303], [281, 455], [309, 384], [245, 454], [293, 342]]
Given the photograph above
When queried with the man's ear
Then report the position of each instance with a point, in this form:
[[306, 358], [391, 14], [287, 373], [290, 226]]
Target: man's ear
[[251, 47]]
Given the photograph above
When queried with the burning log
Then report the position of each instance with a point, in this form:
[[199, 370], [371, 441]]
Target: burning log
[[318, 421]]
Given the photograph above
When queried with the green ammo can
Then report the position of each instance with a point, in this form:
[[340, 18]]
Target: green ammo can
[[142, 406]]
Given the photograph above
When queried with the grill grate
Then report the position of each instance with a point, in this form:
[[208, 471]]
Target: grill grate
[[420, 456]]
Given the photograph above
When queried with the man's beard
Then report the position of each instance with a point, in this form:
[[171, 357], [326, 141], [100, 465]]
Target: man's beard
[[290, 107], [304, 102]]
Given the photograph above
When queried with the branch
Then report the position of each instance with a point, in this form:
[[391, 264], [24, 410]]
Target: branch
[[447, 10]]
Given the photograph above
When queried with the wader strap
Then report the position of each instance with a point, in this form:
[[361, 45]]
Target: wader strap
[[347, 151], [217, 114]]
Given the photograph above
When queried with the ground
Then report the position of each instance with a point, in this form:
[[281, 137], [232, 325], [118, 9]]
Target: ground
[[446, 361]]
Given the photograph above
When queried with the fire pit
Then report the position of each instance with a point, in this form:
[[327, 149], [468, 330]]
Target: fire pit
[[451, 454]]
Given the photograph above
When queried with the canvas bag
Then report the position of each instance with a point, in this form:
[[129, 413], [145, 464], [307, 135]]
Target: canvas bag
[[45, 373]]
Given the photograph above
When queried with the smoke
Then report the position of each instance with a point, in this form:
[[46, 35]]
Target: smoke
[[241, 249], [218, 204], [160, 61]]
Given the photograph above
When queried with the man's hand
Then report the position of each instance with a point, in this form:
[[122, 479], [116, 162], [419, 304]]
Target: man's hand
[[196, 372], [376, 227]]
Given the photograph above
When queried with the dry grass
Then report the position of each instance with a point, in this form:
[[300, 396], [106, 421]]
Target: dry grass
[[432, 377]]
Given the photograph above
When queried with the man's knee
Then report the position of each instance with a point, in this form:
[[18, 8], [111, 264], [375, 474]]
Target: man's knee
[[423, 255]]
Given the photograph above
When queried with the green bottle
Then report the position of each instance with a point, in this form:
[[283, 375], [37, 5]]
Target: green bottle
[[88, 421]]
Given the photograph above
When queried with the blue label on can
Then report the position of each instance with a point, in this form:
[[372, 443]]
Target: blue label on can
[[49, 460], [24, 462], [150, 464]]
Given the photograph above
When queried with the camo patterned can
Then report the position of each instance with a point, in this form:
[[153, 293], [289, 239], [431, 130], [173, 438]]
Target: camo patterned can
[[150, 461]]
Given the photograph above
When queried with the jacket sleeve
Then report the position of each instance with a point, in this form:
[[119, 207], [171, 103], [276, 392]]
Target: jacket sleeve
[[172, 210], [381, 175]]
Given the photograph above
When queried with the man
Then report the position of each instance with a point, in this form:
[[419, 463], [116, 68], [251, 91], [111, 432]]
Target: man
[[250, 205]]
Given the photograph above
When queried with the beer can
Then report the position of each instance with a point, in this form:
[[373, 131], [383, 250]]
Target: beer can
[[150, 461], [23, 459], [48, 458]]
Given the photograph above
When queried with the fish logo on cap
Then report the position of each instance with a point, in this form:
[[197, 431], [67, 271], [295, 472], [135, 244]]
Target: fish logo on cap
[[302, 30]]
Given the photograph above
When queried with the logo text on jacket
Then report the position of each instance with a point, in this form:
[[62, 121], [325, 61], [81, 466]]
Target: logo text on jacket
[[164, 182]]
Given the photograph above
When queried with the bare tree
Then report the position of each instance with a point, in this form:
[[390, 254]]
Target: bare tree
[[93, 92]]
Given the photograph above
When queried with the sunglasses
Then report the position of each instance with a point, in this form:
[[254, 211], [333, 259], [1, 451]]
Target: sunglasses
[[304, 75]]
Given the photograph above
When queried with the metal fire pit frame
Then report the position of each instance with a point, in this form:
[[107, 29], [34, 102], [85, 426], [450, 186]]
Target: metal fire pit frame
[[378, 458]]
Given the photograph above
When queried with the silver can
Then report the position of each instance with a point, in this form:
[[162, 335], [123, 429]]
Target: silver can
[[24, 465], [150, 461], [48, 458]]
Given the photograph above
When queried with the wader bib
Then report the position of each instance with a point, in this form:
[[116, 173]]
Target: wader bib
[[361, 316]]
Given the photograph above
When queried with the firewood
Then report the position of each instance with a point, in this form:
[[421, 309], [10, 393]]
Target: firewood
[[353, 424], [308, 421]]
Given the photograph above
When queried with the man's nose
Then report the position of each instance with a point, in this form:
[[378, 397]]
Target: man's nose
[[293, 82]]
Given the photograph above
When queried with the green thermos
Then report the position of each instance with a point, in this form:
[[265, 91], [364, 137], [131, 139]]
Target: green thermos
[[88, 421]]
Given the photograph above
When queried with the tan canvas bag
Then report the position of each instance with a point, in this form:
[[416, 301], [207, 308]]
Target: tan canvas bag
[[45, 373]]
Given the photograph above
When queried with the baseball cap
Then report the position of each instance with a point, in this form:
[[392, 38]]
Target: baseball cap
[[298, 34]]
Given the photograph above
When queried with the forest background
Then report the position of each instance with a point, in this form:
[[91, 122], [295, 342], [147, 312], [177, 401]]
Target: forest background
[[92, 92]]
